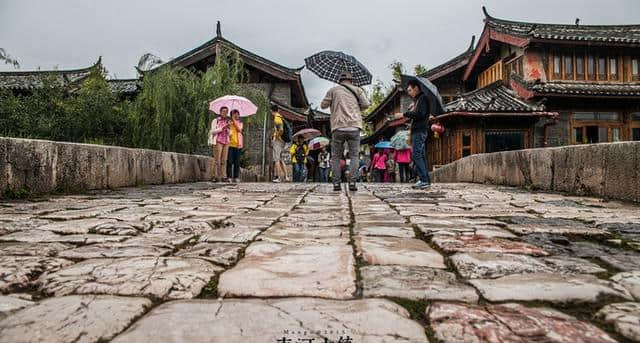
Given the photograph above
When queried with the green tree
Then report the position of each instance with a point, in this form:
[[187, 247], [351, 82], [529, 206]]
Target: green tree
[[419, 69], [171, 113], [397, 69]]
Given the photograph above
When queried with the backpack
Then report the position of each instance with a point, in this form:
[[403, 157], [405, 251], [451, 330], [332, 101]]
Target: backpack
[[391, 165], [286, 131], [300, 153]]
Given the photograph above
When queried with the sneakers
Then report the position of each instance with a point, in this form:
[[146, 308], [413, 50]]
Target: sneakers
[[421, 185], [276, 180], [336, 187], [352, 186]]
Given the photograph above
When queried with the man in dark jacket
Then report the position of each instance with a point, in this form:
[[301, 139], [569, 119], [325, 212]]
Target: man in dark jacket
[[419, 114]]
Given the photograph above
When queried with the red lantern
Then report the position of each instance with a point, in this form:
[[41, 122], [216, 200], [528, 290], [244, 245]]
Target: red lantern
[[437, 130]]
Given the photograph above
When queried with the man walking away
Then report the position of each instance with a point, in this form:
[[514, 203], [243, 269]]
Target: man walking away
[[277, 145], [419, 116], [346, 101]]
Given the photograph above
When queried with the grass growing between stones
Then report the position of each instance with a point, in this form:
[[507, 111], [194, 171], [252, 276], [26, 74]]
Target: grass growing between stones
[[17, 194], [210, 290], [357, 258], [417, 312]]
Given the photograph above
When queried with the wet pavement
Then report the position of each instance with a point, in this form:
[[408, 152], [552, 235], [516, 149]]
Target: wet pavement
[[290, 263]]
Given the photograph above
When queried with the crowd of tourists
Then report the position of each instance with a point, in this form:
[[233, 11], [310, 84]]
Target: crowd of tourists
[[337, 159], [329, 162]]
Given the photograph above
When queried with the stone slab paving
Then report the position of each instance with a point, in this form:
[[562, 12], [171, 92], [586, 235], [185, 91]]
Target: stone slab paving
[[549, 287], [495, 265], [508, 323], [157, 277], [287, 320], [630, 281], [625, 318], [398, 251], [415, 283], [198, 262], [276, 270], [86, 318]]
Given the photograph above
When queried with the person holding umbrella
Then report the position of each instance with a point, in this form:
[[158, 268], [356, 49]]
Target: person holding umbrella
[[235, 147], [221, 127], [219, 141], [299, 152], [346, 101], [427, 102]]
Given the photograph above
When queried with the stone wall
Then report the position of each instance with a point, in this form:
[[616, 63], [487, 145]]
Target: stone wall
[[46, 166], [610, 170]]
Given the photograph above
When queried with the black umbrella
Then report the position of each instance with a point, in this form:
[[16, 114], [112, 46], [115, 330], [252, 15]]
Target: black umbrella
[[429, 89], [329, 65]]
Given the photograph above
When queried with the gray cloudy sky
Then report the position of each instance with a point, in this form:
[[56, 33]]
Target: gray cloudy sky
[[73, 33]]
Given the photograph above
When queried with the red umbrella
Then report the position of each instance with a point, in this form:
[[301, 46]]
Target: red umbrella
[[307, 134]]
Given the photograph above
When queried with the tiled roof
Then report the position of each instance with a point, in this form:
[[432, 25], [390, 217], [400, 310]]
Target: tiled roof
[[26, 80], [125, 86], [451, 65], [495, 97], [580, 88], [321, 116], [371, 116], [292, 113], [621, 34]]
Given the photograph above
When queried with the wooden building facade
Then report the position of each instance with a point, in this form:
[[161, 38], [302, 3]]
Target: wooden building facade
[[280, 85], [528, 85]]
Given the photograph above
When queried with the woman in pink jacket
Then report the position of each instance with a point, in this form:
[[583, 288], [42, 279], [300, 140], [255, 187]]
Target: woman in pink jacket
[[379, 165], [403, 158]]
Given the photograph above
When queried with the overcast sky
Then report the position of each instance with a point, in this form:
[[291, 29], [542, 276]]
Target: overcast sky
[[74, 33]]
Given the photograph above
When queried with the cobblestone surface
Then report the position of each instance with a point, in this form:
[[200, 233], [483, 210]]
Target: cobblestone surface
[[294, 262]]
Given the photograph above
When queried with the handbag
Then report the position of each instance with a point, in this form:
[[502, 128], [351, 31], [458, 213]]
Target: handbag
[[213, 138]]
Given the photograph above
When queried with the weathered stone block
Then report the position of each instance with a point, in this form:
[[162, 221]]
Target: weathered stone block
[[621, 174], [579, 169], [80, 167], [540, 167], [27, 164]]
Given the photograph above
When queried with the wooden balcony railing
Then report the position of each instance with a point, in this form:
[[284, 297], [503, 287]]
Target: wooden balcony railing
[[491, 75]]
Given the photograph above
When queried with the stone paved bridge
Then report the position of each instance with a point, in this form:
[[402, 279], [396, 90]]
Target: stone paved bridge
[[299, 263]]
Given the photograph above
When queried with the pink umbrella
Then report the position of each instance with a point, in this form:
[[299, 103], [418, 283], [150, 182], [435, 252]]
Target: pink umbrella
[[234, 102], [307, 134]]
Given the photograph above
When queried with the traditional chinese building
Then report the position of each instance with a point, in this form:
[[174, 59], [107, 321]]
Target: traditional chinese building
[[447, 77], [281, 85], [24, 82], [527, 85], [586, 73]]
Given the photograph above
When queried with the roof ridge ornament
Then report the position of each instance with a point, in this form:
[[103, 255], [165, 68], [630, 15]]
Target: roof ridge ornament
[[218, 30], [486, 13]]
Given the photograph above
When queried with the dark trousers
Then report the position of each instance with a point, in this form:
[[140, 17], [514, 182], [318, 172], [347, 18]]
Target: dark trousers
[[419, 160], [338, 138], [378, 175], [233, 163], [324, 174], [298, 172], [405, 172]]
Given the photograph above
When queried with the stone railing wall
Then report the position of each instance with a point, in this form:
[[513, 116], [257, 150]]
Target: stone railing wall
[[609, 170], [45, 166]]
